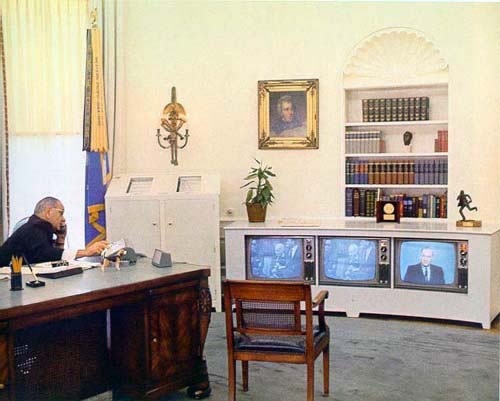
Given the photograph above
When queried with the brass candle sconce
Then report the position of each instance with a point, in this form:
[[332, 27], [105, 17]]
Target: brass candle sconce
[[172, 120]]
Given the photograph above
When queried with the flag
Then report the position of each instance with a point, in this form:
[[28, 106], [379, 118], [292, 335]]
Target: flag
[[95, 141]]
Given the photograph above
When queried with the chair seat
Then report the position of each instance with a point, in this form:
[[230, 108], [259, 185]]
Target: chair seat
[[278, 344]]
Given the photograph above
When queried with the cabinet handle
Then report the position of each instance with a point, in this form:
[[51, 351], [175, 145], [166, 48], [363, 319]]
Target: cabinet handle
[[155, 340], [2, 386]]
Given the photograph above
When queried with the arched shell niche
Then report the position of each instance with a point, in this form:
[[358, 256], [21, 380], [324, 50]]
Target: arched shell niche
[[395, 56]]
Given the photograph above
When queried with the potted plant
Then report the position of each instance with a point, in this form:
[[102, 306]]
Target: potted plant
[[260, 192]]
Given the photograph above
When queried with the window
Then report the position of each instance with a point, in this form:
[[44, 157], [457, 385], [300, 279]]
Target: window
[[45, 67]]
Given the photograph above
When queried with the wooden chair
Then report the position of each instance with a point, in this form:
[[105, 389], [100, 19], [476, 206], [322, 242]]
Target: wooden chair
[[268, 326]]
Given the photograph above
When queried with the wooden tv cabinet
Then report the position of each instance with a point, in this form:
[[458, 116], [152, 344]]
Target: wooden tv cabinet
[[481, 303]]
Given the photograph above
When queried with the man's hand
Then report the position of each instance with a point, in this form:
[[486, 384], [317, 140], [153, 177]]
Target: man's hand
[[61, 236], [92, 250]]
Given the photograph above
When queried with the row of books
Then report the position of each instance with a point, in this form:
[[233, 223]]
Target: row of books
[[395, 109], [432, 206], [441, 142], [406, 172], [362, 202], [363, 142]]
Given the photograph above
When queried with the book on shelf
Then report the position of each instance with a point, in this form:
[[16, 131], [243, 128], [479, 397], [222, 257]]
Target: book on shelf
[[355, 202], [441, 142], [349, 202], [362, 202], [363, 141], [395, 109], [432, 171]]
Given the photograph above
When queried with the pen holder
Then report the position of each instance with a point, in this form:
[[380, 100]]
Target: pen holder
[[16, 282]]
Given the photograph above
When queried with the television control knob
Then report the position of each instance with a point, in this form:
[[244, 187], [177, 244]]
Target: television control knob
[[463, 252], [309, 247], [463, 261], [383, 257], [309, 255], [383, 249]]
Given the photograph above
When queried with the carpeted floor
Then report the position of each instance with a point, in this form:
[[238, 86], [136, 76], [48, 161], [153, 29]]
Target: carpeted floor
[[373, 359]]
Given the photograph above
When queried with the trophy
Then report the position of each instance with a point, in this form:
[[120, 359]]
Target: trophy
[[464, 202]]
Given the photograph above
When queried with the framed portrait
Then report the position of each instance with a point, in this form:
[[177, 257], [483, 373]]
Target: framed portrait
[[288, 114]]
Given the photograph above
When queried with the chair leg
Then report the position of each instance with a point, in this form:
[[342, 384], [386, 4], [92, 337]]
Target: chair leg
[[244, 370], [326, 370], [310, 380], [231, 375]]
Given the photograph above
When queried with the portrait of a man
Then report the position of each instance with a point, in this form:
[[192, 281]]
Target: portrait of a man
[[287, 114]]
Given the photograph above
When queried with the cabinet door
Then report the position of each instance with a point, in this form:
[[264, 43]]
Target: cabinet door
[[137, 221], [191, 231], [174, 335]]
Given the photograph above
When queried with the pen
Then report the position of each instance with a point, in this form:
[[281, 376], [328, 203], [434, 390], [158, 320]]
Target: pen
[[31, 269]]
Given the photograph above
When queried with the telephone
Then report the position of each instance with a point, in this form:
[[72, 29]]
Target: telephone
[[62, 231]]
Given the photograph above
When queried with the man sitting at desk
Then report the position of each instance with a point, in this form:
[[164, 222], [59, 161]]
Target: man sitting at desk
[[42, 238]]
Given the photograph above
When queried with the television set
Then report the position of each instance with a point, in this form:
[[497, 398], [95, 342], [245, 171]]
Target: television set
[[355, 261], [431, 264], [289, 258]]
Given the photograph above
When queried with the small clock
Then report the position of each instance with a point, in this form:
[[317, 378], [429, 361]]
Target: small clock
[[387, 211], [388, 208]]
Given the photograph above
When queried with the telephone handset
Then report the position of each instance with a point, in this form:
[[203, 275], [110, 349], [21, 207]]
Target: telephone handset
[[62, 230], [61, 235]]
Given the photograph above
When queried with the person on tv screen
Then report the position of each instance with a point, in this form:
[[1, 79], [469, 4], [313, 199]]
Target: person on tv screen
[[425, 272], [275, 266], [330, 260], [293, 256], [256, 258]]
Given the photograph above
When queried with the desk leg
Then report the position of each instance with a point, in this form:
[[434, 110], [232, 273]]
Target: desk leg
[[5, 360], [202, 390]]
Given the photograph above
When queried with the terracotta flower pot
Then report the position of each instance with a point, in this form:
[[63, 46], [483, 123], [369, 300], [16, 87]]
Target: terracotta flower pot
[[256, 212]]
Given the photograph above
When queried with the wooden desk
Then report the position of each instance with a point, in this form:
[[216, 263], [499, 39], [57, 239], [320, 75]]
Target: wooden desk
[[59, 342]]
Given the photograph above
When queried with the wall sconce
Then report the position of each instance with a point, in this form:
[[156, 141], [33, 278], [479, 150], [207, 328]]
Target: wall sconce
[[172, 120]]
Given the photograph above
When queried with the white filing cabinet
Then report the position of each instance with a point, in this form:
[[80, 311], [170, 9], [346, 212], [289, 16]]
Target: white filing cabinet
[[177, 213]]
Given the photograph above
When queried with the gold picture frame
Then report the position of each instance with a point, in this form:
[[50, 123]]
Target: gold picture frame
[[288, 114]]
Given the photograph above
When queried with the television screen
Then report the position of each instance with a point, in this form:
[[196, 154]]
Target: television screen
[[351, 261], [427, 262], [278, 257], [437, 265]]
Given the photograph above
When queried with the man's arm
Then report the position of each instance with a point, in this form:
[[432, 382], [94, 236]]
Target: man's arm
[[92, 250]]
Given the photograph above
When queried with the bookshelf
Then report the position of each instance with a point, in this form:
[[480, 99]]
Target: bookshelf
[[377, 163], [386, 100]]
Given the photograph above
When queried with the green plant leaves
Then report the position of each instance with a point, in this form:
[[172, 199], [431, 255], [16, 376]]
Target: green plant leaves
[[261, 191]]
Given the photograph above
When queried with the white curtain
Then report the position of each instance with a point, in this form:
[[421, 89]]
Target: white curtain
[[45, 68], [45, 64]]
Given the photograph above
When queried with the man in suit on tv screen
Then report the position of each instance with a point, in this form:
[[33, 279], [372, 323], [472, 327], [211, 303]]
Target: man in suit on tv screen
[[425, 272]]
